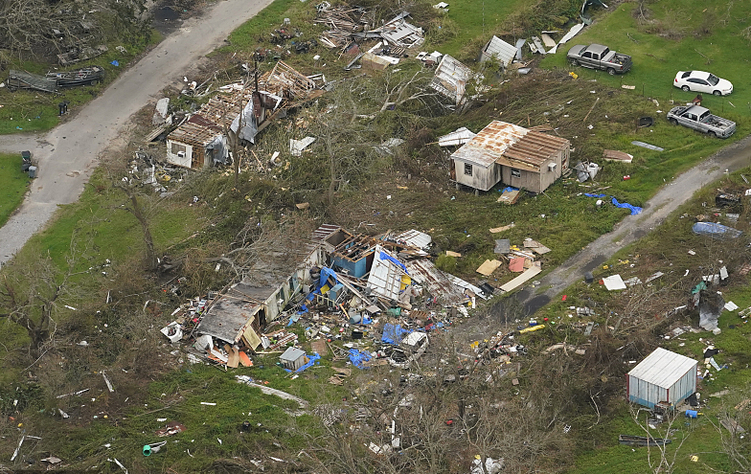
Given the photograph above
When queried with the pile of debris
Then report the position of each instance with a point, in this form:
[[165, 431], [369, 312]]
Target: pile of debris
[[346, 288]]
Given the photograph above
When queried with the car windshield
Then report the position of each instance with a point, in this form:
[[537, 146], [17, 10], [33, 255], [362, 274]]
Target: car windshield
[[713, 79]]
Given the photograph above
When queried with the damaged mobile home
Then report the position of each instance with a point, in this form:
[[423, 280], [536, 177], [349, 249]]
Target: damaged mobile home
[[358, 276], [518, 157]]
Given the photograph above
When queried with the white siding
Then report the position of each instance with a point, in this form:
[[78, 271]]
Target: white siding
[[662, 376]]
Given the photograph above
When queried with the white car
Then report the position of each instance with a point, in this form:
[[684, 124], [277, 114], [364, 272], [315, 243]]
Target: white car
[[700, 81]]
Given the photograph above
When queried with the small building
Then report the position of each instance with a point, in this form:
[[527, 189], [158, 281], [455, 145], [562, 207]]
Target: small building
[[499, 50], [293, 358], [451, 78], [519, 157], [663, 376]]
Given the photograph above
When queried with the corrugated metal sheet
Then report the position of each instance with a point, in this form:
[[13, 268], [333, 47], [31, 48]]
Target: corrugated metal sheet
[[458, 137], [415, 238], [499, 49], [436, 282], [490, 144], [451, 78], [385, 277], [533, 149], [662, 376]]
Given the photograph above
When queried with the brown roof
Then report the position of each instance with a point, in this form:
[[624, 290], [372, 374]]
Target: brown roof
[[534, 149], [490, 144]]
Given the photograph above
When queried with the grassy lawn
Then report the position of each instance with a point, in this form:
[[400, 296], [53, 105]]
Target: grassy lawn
[[678, 36], [36, 111], [13, 185]]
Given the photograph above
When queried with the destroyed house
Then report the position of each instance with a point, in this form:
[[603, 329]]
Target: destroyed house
[[518, 157], [238, 315], [201, 140]]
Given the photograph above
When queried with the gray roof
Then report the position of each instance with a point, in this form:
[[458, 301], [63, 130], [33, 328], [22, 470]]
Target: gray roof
[[292, 354], [663, 368], [227, 317]]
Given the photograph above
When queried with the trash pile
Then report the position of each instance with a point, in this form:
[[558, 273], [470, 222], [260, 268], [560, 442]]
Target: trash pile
[[377, 297], [523, 259]]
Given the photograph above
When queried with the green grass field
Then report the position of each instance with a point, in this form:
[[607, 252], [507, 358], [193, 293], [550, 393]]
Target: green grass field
[[13, 185], [678, 36]]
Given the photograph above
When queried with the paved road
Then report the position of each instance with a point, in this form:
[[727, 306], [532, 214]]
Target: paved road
[[630, 229], [68, 154]]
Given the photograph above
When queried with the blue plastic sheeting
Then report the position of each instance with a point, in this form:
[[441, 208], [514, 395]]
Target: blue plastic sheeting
[[296, 317], [385, 256], [715, 230], [115, 63], [357, 358], [393, 333], [326, 273], [311, 361], [624, 205], [508, 189]]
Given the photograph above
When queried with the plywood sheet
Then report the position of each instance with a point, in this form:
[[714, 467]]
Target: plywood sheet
[[488, 267]]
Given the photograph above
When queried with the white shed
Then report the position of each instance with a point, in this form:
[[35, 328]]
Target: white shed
[[663, 376]]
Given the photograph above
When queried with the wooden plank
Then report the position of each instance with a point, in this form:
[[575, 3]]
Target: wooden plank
[[496, 230], [488, 267], [521, 279]]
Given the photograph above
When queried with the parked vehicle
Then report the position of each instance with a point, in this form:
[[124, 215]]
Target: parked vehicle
[[700, 81], [699, 118], [597, 56]]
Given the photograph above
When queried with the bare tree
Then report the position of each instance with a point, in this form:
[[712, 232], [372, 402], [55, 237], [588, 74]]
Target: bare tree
[[663, 461], [33, 290]]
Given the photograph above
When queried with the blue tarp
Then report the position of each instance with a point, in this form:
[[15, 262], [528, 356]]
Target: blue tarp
[[357, 358], [311, 360], [385, 256], [393, 333], [623, 205], [715, 230], [326, 273]]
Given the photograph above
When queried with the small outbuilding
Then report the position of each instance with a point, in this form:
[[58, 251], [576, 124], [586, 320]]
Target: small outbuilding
[[663, 376], [522, 158], [293, 358]]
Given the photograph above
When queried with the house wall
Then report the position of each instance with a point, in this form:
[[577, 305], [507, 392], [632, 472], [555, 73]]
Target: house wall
[[533, 181], [647, 394], [172, 156], [482, 178], [528, 180]]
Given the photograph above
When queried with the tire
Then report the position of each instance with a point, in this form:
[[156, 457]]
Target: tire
[[717, 93], [574, 62], [686, 89], [611, 71], [712, 134], [673, 121]]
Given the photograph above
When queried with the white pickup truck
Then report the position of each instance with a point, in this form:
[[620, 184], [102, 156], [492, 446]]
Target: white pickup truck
[[699, 118]]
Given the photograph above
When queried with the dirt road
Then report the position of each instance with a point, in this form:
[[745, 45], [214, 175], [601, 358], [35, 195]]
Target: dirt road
[[67, 154], [630, 229]]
